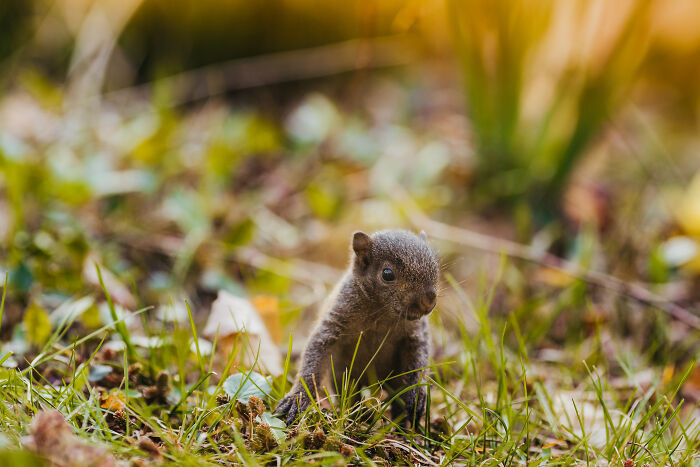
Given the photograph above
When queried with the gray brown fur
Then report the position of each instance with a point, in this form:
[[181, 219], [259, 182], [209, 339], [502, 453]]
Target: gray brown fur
[[364, 304]]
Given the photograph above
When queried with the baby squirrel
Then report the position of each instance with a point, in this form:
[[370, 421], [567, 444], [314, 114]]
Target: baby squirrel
[[389, 286]]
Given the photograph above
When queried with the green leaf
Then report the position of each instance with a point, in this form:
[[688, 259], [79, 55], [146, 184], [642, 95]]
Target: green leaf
[[241, 234], [21, 278], [277, 426], [11, 456], [241, 386], [216, 279], [325, 199], [36, 322]]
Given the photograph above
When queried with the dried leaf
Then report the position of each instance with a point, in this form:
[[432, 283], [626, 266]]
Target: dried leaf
[[147, 445], [113, 402], [269, 309], [51, 437], [234, 318]]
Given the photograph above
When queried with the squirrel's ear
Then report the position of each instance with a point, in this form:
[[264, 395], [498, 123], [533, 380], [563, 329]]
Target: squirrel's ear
[[361, 246], [423, 236]]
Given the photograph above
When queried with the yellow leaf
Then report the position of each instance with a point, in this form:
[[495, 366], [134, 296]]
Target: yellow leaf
[[554, 443], [91, 318], [667, 375], [114, 401], [693, 265], [36, 324], [268, 307], [553, 277], [324, 200], [688, 208]]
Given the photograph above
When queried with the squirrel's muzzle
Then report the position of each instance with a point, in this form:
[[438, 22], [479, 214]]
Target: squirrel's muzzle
[[427, 301]]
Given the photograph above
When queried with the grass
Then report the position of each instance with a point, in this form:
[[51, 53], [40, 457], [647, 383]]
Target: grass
[[505, 47], [489, 400]]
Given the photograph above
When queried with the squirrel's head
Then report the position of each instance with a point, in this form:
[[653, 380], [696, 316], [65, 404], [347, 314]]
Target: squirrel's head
[[398, 269]]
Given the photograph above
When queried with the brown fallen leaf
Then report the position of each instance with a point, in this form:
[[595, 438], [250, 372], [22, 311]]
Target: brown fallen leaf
[[147, 445], [238, 323], [113, 401], [52, 438]]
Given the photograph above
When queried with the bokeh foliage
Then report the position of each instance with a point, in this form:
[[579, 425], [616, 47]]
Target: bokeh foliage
[[509, 51]]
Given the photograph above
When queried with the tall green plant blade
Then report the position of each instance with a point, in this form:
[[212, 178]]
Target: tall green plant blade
[[119, 325]]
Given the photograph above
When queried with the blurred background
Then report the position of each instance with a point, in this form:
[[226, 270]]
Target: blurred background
[[194, 147]]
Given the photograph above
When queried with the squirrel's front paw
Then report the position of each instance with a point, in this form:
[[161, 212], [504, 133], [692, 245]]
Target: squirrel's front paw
[[412, 408], [293, 404]]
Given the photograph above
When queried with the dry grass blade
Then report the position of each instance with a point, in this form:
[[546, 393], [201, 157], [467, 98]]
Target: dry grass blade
[[403, 446], [327, 60], [639, 445], [299, 270]]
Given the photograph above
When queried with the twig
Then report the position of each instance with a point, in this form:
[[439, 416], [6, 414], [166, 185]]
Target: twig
[[517, 250], [299, 270], [400, 445], [646, 449], [302, 271], [295, 65]]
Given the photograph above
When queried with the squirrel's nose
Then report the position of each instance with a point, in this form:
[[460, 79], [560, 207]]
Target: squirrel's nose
[[428, 300]]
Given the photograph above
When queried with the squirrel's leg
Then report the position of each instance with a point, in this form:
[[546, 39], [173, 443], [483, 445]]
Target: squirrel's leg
[[415, 354], [314, 364]]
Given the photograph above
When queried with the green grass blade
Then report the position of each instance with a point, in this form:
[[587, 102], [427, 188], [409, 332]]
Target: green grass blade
[[120, 326]]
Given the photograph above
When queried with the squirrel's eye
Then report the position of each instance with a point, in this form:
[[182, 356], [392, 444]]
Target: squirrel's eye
[[388, 275]]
